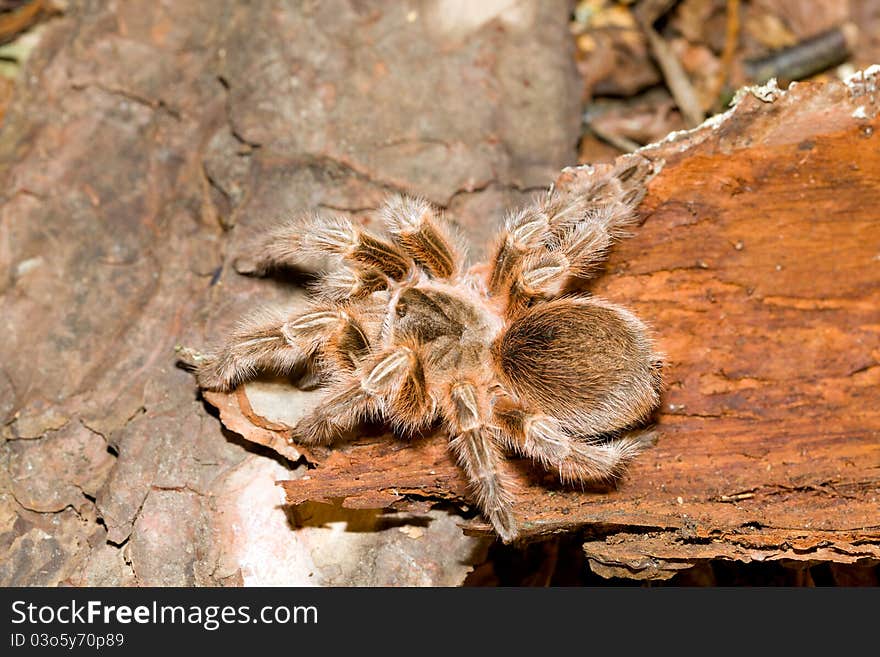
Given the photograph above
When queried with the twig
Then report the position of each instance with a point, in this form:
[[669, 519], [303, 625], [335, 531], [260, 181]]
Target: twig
[[676, 79], [806, 58], [619, 142], [731, 40], [648, 11]]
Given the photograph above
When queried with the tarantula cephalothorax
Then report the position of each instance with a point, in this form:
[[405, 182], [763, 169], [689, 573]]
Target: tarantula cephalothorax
[[505, 353]]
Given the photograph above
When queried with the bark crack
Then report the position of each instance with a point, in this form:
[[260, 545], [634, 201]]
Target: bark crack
[[158, 105]]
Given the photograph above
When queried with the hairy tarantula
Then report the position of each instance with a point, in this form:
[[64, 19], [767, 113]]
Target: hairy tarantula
[[506, 353]]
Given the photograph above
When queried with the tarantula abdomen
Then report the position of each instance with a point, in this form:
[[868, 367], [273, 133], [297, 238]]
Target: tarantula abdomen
[[586, 362]]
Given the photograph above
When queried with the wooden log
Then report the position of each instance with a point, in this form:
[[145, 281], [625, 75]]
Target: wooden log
[[758, 265]]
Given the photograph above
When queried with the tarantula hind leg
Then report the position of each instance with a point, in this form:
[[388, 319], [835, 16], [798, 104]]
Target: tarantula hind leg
[[474, 446], [543, 439], [273, 340]]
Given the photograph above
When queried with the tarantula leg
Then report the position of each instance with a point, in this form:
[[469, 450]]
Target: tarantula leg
[[291, 244], [411, 407], [276, 342], [565, 234], [337, 414], [280, 247], [348, 283], [257, 343], [474, 447], [607, 195], [524, 231], [333, 331], [542, 438], [359, 397], [356, 245], [416, 229], [575, 253]]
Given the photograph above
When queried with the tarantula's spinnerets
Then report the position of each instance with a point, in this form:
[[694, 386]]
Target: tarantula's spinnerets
[[506, 354]]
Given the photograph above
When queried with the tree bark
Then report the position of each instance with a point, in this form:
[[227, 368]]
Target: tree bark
[[145, 145]]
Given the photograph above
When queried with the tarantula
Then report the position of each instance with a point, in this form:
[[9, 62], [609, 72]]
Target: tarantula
[[506, 353]]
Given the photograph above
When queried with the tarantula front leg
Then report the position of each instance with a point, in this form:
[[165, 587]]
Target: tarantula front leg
[[348, 283], [543, 439], [289, 244], [416, 228], [573, 250], [564, 235], [524, 232], [274, 341], [392, 385], [473, 443]]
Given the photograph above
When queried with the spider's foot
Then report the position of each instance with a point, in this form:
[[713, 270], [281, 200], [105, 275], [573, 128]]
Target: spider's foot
[[189, 358], [315, 429], [204, 366], [210, 372], [504, 524]]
